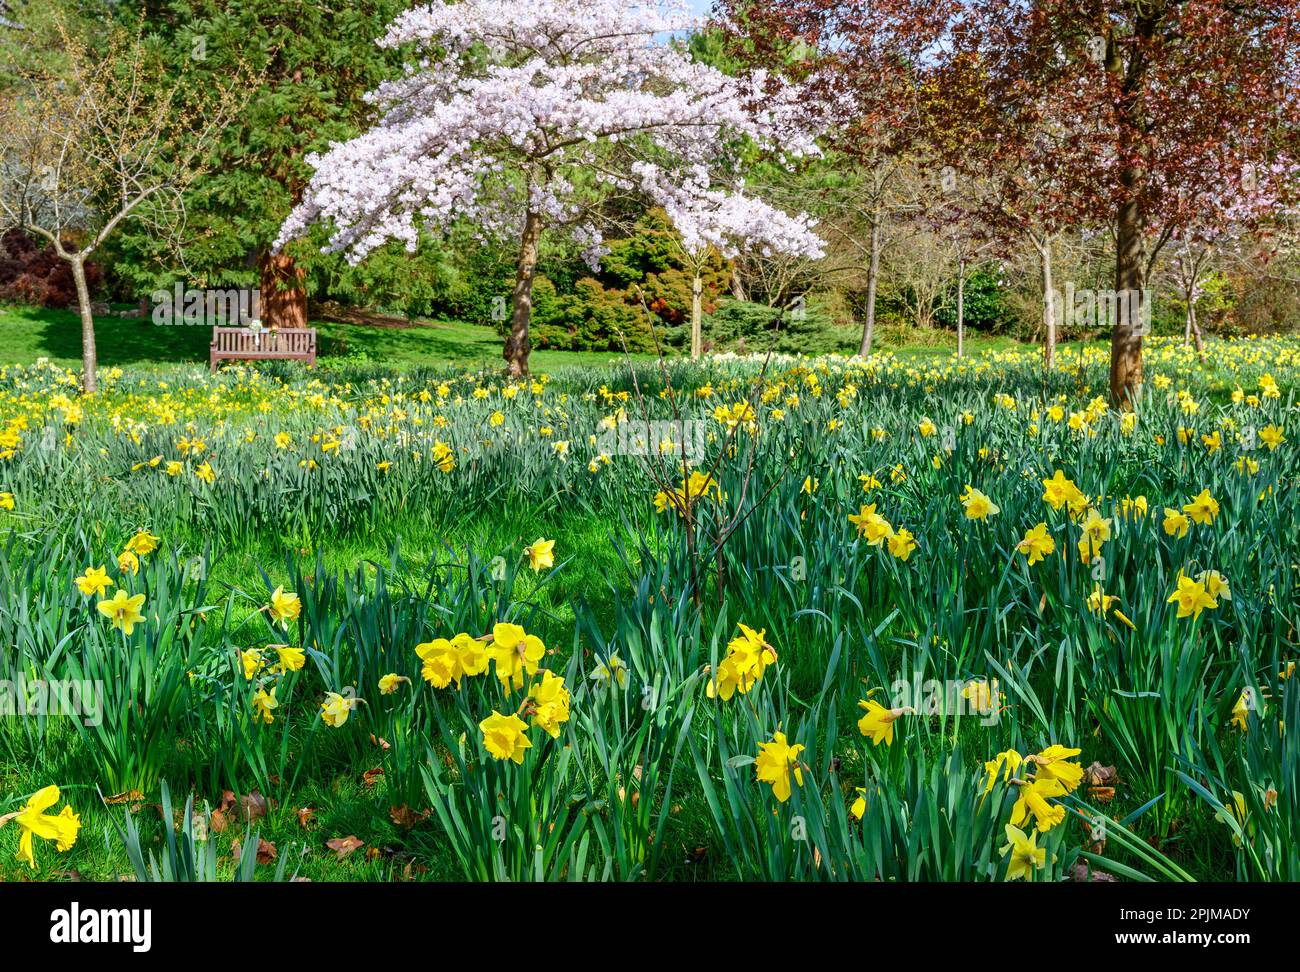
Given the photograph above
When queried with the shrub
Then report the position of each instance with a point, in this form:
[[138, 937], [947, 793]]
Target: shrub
[[34, 275]]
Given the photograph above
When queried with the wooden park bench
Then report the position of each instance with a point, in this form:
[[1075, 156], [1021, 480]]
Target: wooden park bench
[[243, 344]]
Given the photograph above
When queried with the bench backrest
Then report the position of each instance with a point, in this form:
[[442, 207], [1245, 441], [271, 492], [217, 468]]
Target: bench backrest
[[237, 340]]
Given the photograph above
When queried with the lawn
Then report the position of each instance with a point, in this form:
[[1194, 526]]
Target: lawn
[[29, 334]]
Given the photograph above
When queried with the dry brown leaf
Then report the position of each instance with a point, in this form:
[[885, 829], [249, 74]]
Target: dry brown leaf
[[409, 871], [343, 846], [371, 777], [405, 817], [252, 806], [306, 818], [266, 852], [1098, 775], [130, 796]]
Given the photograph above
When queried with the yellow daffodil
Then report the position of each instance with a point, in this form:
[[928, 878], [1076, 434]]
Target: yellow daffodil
[[1024, 856], [540, 554], [265, 704], [977, 505], [284, 607], [336, 708], [505, 737], [33, 821], [94, 581], [777, 762], [1032, 801], [1037, 544], [877, 722], [123, 610], [1191, 598]]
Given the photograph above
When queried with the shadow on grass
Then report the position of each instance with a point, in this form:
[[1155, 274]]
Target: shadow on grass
[[27, 334]]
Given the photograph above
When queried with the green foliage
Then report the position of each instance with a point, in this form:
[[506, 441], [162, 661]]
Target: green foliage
[[590, 319], [315, 63], [803, 327], [983, 303]]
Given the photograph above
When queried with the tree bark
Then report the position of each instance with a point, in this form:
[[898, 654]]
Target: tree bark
[[1194, 330], [1126, 339], [89, 359], [518, 346], [697, 315], [961, 305], [1130, 220], [737, 284], [873, 277], [1049, 304], [283, 296]]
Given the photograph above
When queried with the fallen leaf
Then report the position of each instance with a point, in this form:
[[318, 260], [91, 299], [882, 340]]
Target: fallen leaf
[[130, 796], [372, 777], [1098, 775], [343, 846], [306, 818], [266, 852], [405, 817], [381, 743], [252, 806]]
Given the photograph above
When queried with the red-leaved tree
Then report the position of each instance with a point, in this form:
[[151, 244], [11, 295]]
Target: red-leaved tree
[[1137, 114]]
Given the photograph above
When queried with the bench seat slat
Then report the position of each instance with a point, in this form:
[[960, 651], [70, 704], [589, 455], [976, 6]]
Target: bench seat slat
[[240, 344]]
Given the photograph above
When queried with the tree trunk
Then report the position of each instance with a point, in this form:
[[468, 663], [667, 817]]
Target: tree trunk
[[873, 277], [1126, 339], [737, 284], [518, 346], [89, 360], [1194, 330], [1049, 305], [283, 301], [697, 316], [961, 305]]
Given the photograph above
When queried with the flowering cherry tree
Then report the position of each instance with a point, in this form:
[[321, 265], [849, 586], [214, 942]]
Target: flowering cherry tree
[[520, 115]]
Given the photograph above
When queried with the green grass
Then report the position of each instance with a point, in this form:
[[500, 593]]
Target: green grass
[[28, 334]]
